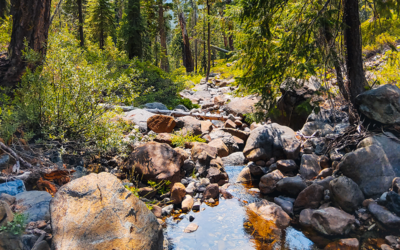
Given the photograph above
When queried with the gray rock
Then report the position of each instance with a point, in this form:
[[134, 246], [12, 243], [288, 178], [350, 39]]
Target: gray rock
[[346, 193], [256, 170], [156, 105], [245, 176], [167, 210], [286, 166], [12, 187], [370, 168], [309, 167], [286, 205], [190, 124], [269, 181], [332, 221], [305, 217], [7, 198], [322, 128], [4, 160], [381, 104], [139, 117], [291, 186], [324, 182], [239, 106], [235, 159], [34, 204], [182, 107], [310, 197], [384, 216]]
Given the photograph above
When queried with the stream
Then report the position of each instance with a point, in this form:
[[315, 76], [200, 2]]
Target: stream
[[227, 225]]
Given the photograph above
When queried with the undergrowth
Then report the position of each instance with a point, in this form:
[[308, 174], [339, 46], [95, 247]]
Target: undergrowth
[[179, 139], [16, 226]]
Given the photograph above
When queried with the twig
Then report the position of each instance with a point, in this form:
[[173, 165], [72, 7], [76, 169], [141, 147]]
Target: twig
[[13, 154]]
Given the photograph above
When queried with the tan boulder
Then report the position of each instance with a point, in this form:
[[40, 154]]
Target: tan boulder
[[206, 126], [230, 124], [221, 147], [164, 138], [161, 123], [6, 214], [97, 212], [268, 182], [178, 192], [187, 203], [212, 191], [156, 162], [203, 151]]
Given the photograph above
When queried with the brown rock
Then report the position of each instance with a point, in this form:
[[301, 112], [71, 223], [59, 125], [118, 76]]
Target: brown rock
[[324, 161], [325, 173], [254, 126], [268, 182], [220, 146], [7, 198], [161, 123], [203, 152], [287, 166], [332, 221], [187, 203], [269, 211], [189, 124], [178, 192], [366, 202], [242, 105], [230, 124], [6, 214], [219, 100], [164, 138], [43, 245], [395, 185], [156, 162], [310, 197], [97, 211], [10, 242], [212, 191], [305, 217], [245, 176], [309, 167], [157, 211], [147, 192], [343, 244], [206, 127], [183, 154]]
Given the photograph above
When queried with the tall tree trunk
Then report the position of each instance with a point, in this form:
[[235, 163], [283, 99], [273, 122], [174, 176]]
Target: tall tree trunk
[[101, 43], [208, 43], [225, 39], [163, 37], [352, 37], [80, 19], [231, 47], [31, 20], [134, 45], [187, 54], [195, 41]]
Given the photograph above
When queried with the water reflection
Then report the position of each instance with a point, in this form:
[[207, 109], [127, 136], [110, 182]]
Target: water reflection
[[230, 225]]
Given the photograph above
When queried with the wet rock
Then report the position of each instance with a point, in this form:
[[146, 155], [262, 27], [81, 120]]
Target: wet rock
[[287, 166], [256, 170], [156, 162], [98, 211], [235, 159], [332, 221], [384, 216], [212, 191], [189, 124], [393, 202], [272, 140], [196, 205], [161, 123], [7, 198], [245, 176], [167, 210], [287, 206], [269, 181], [381, 104], [178, 192], [12, 187], [343, 244], [346, 193], [370, 169], [310, 197], [192, 227], [220, 146], [6, 214], [291, 186], [269, 211], [309, 167], [396, 185], [305, 217], [187, 203], [164, 138], [225, 193], [242, 105], [156, 105], [321, 128], [34, 204]]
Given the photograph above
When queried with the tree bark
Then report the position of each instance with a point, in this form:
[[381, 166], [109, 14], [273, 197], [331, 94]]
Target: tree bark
[[31, 20], [187, 54], [163, 37], [208, 43], [352, 38], [231, 47], [80, 19]]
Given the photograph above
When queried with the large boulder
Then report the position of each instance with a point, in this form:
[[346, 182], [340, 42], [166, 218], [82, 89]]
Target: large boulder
[[268, 182], [310, 197], [235, 159], [245, 176], [211, 192], [332, 221], [322, 128], [156, 162], [272, 140], [34, 204], [240, 106], [98, 212], [189, 124], [309, 167], [220, 146], [291, 185], [227, 138], [161, 123], [12, 187], [10, 242], [6, 214], [381, 104], [139, 117], [292, 110], [346, 193], [384, 216], [370, 168]]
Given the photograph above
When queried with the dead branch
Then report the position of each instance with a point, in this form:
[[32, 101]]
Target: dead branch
[[13, 154]]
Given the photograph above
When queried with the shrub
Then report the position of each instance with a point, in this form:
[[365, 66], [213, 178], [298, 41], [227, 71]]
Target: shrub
[[16, 226], [179, 139]]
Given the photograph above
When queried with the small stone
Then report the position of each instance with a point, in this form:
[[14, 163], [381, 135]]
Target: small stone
[[178, 192], [187, 203], [192, 227], [167, 210], [212, 191], [196, 206], [157, 211], [211, 200], [191, 218]]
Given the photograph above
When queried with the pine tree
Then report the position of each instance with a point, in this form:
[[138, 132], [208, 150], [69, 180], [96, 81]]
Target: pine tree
[[101, 20], [132, 27]]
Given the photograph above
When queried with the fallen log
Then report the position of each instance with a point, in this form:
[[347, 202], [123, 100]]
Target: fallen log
[[198, 115], [14, 155]]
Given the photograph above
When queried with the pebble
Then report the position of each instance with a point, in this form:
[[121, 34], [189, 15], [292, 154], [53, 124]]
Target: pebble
[[192, 227], [191, 218]]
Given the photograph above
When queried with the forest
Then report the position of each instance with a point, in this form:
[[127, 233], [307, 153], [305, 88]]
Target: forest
[[167, 121]]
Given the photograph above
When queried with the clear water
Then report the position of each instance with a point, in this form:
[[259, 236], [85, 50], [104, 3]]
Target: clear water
[[226, 226]]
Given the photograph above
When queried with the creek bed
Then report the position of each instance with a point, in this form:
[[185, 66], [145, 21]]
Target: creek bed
[[226, 225]]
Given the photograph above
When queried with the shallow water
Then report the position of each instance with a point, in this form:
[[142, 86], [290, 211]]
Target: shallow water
[[227, 225]]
